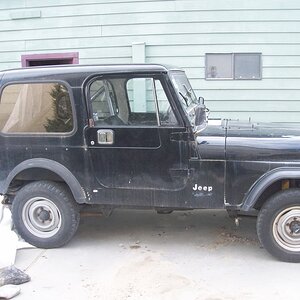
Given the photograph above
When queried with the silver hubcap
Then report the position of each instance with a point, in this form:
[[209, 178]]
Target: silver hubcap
[[41, 217], [286, 229]]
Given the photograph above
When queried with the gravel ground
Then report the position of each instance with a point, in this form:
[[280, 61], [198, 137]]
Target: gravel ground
[[143, 255]]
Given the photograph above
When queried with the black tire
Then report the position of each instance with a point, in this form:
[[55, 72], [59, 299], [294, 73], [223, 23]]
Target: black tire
[[278, 225], [45, 214]]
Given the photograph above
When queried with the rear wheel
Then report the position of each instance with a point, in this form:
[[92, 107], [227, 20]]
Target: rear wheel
[[278, 225], [45, 214]]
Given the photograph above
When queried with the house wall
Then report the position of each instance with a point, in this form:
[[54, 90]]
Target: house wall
[[176, 32]]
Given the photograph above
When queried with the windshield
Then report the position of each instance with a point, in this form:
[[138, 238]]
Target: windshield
[[184, 89], [185, 92]]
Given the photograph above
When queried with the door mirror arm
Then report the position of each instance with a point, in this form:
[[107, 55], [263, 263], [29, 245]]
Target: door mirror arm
[[201, 116]]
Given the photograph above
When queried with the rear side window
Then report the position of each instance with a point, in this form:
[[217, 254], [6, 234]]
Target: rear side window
[[36, 108]]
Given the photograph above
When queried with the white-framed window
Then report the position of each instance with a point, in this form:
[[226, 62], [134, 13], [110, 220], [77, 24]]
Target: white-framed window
[[236, 66]]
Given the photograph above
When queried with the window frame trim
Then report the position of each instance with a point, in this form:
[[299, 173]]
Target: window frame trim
[[42, 134], [73, 57], [154, 92]]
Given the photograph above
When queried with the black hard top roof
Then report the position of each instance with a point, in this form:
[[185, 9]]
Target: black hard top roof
[[32, 72]]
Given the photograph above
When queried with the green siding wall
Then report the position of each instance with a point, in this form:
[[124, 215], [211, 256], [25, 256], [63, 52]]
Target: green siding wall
[[174, 32]]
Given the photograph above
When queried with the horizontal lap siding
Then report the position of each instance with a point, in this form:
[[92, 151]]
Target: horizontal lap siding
[[177, 33]]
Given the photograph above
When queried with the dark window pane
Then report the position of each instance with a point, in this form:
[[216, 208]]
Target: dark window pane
[[219, 66], [247, 66], [49, 62]]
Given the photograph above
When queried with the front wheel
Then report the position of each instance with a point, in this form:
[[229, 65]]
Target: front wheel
[[278, 225], [45, 214]]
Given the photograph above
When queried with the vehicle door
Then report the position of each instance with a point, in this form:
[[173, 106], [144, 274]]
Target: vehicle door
[[133, 134]]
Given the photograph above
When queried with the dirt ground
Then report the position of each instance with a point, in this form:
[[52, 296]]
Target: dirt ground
[[143, 255]]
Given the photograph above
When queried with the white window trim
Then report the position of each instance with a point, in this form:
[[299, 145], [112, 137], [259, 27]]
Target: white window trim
[[233, 66]]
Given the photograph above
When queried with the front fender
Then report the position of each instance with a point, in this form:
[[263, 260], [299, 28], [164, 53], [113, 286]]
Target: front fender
[[43, 163], [265, 181]]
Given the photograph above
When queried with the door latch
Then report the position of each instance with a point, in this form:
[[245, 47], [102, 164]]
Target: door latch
[[105, 136]]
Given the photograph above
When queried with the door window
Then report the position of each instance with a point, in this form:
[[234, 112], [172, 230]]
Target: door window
[[166, 114], [142, 103], [132, 102], [102, 99]]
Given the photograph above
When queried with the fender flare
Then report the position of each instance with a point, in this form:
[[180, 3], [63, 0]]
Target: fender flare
[[265, 181], [43, 163]]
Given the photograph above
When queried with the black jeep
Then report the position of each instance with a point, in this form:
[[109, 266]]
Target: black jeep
[[136, 136]]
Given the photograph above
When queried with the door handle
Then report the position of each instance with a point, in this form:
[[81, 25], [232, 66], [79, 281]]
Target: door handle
[[105, 136]]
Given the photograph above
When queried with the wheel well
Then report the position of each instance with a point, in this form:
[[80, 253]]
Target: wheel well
[[275, 187], [32, 174]]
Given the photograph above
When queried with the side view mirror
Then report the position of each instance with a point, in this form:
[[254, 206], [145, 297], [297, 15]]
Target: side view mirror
[[201, 116]]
